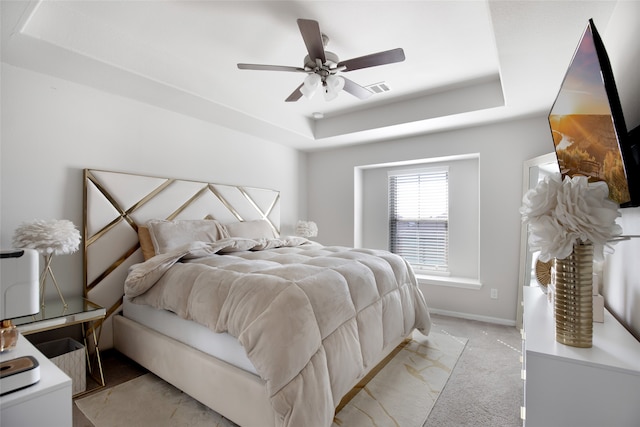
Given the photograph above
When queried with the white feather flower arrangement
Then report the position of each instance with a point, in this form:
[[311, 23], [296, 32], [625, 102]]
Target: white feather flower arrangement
[[561, 213], [53, 237]]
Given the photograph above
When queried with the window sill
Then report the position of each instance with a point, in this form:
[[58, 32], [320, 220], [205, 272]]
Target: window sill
[[454, 282]]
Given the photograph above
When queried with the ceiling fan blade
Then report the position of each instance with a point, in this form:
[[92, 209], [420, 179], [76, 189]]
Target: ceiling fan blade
[[312, 37], [270, 67], [355, 89], [373, 60], [295, 95]]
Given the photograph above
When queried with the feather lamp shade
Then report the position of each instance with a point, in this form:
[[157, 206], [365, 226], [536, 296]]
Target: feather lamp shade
[[56, 237], [52, 237]]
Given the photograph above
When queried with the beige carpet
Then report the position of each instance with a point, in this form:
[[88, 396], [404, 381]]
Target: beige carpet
[[400, 395]]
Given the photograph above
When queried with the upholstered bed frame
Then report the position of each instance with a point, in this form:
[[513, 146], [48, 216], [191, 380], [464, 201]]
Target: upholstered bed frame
[[115, 204]]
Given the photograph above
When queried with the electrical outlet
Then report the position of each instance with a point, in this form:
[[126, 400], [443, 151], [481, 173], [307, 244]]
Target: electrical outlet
[[494, 293]]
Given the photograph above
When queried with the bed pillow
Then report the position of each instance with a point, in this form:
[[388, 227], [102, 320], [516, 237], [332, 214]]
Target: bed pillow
[[169, 235], [256, 229], [146, 244]]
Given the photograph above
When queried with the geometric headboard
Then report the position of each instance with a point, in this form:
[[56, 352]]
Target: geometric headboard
[[116, 203]]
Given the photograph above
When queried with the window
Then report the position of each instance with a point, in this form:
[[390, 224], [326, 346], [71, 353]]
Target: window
[[419, 217], [373, 213]]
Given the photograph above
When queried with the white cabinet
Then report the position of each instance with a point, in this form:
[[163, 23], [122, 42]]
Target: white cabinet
[[46, 403], [567, 386]]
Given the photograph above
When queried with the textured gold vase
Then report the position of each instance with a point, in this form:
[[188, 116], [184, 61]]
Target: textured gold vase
[[573, 278]]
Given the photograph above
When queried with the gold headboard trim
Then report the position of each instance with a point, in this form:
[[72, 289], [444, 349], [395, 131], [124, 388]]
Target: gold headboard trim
[[188, 203], [225, 202], [115, 307], [112, 267], [92, 239], [106, 188], [147, 199], [265, 214], [108, 312], [124, 214]]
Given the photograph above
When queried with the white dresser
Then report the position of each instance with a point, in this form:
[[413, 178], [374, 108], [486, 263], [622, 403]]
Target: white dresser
[[568, 386], [46, 403]]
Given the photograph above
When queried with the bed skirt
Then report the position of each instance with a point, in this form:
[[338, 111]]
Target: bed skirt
[[232, 392]]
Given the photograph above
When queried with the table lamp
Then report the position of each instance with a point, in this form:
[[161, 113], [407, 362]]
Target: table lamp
[[53, 237], [306, 229]]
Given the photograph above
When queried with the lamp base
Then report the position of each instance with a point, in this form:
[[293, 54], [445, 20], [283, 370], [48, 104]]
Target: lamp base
[[47, 271]]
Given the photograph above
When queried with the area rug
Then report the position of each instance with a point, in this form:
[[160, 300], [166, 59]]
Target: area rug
[[401, 394]]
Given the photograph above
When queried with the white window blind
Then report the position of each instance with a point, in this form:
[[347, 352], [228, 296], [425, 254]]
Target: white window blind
[[419, 217]]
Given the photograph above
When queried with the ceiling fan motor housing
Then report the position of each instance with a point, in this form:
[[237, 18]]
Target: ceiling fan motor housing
[[329, 65]]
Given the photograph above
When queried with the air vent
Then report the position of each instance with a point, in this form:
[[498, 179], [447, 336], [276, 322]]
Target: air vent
[[378, 87]]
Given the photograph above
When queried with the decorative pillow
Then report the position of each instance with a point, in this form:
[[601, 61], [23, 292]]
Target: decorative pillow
[[169, 235], [146, 244], [256, 229]]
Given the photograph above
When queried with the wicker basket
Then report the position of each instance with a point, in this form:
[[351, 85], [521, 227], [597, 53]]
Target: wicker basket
[[68, 355]]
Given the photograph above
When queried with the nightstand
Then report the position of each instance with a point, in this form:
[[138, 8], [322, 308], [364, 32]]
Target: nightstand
[[45, 403], [78, 311]]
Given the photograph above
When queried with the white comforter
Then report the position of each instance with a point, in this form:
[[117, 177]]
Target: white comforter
[[311, 318]]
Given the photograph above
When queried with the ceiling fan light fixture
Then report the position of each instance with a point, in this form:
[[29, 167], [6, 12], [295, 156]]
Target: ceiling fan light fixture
[[311, 84], [333, 85], [335, 82]]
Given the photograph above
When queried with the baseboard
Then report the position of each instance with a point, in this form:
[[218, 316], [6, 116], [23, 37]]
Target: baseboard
[[496, 320]]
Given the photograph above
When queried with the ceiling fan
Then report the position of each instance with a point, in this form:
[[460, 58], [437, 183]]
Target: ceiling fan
[[323, 66]]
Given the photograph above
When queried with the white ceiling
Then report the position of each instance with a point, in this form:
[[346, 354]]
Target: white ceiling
[[467, 62]]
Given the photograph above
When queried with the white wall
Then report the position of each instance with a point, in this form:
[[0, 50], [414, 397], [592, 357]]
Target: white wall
[[52, 129], [502, 147], [623, 48], [621, 280], [621, 275]]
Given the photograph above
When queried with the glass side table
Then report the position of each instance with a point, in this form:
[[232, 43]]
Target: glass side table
[[79, 310]]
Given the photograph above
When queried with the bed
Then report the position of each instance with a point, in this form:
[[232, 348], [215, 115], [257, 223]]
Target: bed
[[267, 330]]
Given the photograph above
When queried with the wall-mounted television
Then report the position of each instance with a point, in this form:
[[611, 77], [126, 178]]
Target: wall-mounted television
[[587, 124]]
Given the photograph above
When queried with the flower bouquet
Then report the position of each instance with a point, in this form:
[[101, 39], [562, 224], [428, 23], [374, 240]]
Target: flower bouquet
[[571, 221], [561, 213]]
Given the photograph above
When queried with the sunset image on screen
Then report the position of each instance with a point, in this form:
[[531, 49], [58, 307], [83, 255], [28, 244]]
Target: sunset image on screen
[[583, 131]]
